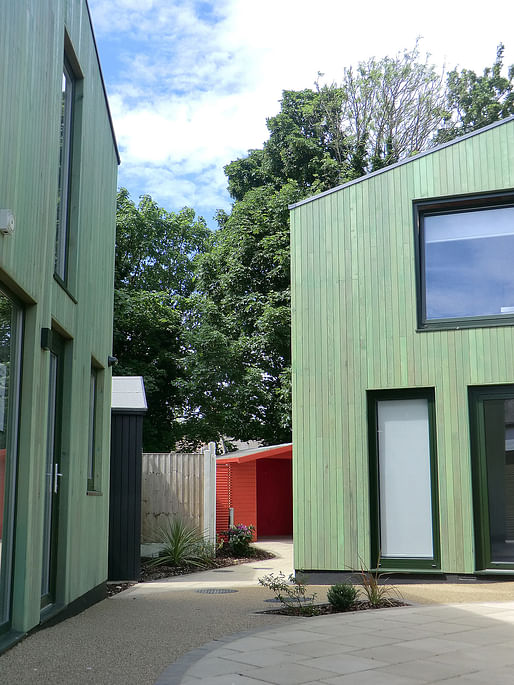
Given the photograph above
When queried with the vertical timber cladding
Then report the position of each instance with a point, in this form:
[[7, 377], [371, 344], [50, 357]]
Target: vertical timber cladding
[[32, 57], [125, 496], [243, 494], [223, 478], [354, 329]]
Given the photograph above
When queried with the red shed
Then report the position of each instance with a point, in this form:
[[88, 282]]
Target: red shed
[[258, 485]]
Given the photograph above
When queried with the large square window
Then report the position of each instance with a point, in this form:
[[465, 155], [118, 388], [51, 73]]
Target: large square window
[[466, 248]]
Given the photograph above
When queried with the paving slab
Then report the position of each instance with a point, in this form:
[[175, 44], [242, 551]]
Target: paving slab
[[481, 653]]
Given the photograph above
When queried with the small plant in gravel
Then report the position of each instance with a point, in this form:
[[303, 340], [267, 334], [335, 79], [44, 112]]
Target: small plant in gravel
[[377, 593], [292, 592], [183, 545], [342, 596], [237, 540]]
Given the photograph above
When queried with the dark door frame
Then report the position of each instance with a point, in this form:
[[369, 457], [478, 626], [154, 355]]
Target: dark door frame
[[477, 395], [56, 346]]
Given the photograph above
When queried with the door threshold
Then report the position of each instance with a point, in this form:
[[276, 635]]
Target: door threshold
[[50, 612]]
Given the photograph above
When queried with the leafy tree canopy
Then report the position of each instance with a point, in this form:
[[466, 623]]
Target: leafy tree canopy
[[476, 101], [154, 276], [205, 318], [155, 249]]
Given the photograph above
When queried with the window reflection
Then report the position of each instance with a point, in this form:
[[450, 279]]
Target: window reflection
[[468, 263], [61, 239], [8, 314]]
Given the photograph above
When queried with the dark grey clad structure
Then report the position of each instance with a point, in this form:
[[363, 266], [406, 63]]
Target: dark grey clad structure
[[128, 407]]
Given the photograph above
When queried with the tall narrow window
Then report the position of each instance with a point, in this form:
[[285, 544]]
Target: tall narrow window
[[403, 478], [96, 405], [64, 187], [10, 343], [92, 428]]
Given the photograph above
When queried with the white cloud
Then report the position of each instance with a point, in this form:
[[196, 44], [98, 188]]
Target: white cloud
[[196, 80]]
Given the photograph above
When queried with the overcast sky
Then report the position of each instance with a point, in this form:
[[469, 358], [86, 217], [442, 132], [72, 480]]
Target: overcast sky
[[191, 82]]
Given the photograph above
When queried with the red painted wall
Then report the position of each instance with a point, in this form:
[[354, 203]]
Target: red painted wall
[[223, 483], [261, 494], [243, 494], [274, 497]]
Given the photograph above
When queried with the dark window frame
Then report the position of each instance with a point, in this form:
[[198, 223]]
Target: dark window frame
[[65, 166], [65, 265], [95, 428], [427, 565], [450, 205], [477, 394], [12, 430]]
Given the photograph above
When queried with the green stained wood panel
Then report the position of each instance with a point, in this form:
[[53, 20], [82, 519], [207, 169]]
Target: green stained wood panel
[[355, 329], [31, 65]]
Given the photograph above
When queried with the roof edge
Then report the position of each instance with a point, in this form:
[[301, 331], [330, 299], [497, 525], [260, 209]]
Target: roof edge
[[103, 84], [407, 160], [275, 452]]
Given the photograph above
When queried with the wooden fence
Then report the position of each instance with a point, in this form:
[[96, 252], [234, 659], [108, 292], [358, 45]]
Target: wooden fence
[[178, 484]]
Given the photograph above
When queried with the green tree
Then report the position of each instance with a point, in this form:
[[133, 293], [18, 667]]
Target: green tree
[[391, 108], [238, 364], [154, 277], [476, 101], [236, 369]]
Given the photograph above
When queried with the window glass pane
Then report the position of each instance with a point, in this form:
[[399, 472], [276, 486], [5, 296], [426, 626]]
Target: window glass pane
[[468, 263], [64, 174], [92, 430], [49, 472], [9, 380], [499, 430], [404, 479]]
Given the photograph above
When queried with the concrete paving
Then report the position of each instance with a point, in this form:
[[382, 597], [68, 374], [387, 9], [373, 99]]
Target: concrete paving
[[455, 644], [190, 630]]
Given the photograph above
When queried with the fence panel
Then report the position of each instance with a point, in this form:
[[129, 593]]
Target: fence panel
[[178, 484], [172, 485]]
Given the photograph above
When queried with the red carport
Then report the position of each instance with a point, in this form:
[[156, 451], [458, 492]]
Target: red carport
[[257, 485]]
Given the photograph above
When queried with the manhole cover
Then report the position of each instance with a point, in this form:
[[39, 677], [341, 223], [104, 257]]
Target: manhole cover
[[215, 591]]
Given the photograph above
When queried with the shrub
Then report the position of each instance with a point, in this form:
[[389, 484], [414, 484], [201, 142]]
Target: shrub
[[238, 539], [341, 596], [377, 593], [184, 545], [291, 592]]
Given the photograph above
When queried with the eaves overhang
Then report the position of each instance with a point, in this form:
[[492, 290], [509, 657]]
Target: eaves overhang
[[284, 451]]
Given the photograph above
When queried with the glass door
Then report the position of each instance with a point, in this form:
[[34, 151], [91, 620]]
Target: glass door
[[492, 432], [52, 473], [404, 503]]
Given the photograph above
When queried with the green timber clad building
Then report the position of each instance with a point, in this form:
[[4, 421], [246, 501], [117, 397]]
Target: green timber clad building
[[403, 364], [57, 229]]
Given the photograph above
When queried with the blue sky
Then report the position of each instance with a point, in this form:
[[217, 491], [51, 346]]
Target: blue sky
[[191, 82]]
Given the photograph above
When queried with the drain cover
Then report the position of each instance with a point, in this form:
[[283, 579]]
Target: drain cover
[[215, 591]]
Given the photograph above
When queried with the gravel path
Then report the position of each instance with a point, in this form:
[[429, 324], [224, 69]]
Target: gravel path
[[130, 640]]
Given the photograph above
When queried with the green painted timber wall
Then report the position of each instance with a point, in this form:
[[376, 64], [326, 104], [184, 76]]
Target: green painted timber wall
[[34, 34], [354, 330]]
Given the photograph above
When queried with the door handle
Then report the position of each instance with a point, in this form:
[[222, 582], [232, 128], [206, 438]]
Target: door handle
[[56, 476]]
